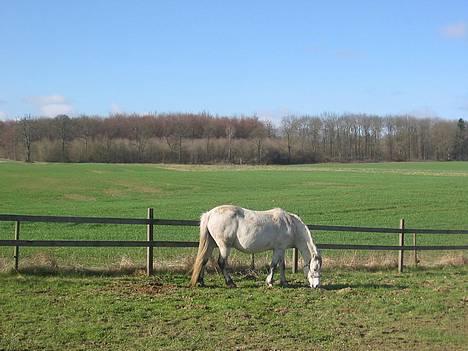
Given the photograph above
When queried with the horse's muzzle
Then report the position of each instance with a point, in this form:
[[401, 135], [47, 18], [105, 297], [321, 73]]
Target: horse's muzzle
[[315, 282]]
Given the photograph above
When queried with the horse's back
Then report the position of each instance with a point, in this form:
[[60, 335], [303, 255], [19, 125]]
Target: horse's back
[[228, 211], [249, 230], [276, 216]]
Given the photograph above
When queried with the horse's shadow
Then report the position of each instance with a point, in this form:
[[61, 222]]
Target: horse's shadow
[[332, 287], [254, 281], [299, 286], [325, 287]]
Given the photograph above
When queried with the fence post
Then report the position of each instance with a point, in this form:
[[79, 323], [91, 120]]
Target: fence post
[[149, 238], [16, 252], [295, 260], [415, 251], [252, 262], [402, 243]]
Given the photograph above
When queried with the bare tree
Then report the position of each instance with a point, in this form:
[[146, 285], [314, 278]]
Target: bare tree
[[289, 126], [209, 132], [163, 138], [258, 135], [315, 127], [27, 133], [329, 133], [64, 133], [460, 144], [390, 130], [86, 128], [230, 131]]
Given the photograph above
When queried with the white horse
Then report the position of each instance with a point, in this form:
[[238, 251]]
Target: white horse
[[255, 231]]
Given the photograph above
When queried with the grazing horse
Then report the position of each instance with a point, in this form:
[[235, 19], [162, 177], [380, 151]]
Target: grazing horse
[[250, 231]]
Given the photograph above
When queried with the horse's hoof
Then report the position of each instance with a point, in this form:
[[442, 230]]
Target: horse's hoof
[[284, 285], [231, 285]]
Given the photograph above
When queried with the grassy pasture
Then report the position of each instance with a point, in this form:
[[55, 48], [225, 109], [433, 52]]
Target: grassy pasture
[[419, 310], [76, 309], [427, 195]]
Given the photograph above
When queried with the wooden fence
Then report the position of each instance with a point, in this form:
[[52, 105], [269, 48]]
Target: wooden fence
[[150, 243]]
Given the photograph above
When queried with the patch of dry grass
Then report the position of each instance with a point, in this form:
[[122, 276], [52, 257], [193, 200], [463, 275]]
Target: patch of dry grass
[[79, 197], [40, 260], [44, 262]]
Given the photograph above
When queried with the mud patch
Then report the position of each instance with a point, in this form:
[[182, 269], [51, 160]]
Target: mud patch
[[138, 288]]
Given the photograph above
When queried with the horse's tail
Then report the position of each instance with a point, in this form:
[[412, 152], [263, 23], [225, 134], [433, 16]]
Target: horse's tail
[[206, 241]]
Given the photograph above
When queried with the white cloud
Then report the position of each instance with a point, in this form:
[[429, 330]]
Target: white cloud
[[115, 109], [455, 30], [3, 116], [275, 115], [53, 110], [51, 105]]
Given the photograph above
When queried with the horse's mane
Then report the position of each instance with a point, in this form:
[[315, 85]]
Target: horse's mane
[[308, 232]]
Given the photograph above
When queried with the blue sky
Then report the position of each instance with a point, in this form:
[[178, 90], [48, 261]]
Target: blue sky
[[269, 58]]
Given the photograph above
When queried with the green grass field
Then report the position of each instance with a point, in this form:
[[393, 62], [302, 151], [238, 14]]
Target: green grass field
[[82, 299], [427, 195], [419, 310]]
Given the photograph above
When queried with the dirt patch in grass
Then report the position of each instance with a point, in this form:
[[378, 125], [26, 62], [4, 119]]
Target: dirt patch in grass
[[138, 187], [112, 192], [79, 197], [141, 287]]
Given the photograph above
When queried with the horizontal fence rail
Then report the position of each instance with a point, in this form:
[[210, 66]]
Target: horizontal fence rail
[[98, 243], [70, 219], [149, 222], [167, 243], [196, 223], [335, 228]]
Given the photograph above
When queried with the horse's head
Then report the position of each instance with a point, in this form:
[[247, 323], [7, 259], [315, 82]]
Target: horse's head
[[314, 271]]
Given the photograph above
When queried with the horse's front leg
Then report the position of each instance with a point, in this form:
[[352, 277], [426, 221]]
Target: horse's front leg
[[283, 281], [222, 262], [278, 256]]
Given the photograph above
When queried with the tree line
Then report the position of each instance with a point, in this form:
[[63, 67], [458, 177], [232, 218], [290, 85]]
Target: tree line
[[204, 138]]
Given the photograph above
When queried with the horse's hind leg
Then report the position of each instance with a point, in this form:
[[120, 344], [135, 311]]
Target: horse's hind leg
[[222, 262], [278, 256], [201, 280]]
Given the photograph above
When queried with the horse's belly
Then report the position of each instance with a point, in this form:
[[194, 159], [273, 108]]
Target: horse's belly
[[262, 241]]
